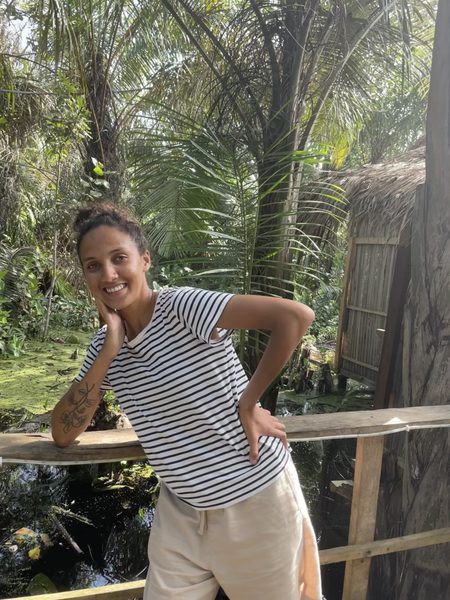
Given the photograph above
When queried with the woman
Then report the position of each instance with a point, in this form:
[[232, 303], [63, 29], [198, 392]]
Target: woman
[[230, 511]]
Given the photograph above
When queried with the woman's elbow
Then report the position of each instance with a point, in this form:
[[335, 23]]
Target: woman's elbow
[[60, 441], [305, 316]]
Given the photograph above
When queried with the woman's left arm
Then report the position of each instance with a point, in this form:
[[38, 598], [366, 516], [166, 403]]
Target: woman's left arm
[[287, 322]]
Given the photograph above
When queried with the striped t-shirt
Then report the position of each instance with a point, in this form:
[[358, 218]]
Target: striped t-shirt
[[179, 382]]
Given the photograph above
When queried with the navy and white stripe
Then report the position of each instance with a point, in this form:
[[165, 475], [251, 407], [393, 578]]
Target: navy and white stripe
[[179, 383]]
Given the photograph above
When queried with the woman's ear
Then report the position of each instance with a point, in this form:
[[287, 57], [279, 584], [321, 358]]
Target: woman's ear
[[147, 260]]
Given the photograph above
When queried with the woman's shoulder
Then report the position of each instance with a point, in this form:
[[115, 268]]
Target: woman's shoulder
[[99, 337], [169, 294]]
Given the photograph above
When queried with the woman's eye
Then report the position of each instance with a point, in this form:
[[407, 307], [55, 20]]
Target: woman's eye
[[120, 259], [91, 267]]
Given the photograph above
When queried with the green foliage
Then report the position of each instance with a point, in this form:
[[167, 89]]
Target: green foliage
[[21, 303], [109, 398], [392, 127], [74, 313], [198, 195], [4, 317], [66, 122], [95, 188], [139, 477], [12, 341], [209, 136], [325, 298], [325, 302]]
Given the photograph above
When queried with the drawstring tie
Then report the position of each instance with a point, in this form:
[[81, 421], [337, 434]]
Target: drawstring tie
[[203, 522]]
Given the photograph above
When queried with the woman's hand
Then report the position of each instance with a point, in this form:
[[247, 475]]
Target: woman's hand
[[257, 421], [115, 332]]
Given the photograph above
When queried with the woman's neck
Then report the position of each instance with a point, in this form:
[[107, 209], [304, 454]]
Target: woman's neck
[[136, 317]]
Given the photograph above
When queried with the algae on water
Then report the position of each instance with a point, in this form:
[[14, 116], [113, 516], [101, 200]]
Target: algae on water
[[37, 379]]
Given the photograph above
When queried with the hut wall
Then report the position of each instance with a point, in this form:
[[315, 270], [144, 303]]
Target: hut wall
[[381, 199], [365, 308]]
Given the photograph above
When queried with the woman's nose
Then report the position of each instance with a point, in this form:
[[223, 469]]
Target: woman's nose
[[109, 272]]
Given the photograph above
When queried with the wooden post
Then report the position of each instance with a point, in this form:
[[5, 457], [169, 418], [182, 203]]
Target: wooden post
[[391, 338], [369, 455], [343, 312]]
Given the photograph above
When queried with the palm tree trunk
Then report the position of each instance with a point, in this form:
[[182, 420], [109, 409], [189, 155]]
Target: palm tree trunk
[[102, 143]]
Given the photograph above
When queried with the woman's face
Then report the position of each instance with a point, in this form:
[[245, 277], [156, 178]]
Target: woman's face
[[113, 267]]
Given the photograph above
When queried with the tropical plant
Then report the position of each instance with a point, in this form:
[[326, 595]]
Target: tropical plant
[[21, 106], [198, 195], [74, 313], [276, 74], [271, 77], [109, 51], [21, 307], [270, 85]]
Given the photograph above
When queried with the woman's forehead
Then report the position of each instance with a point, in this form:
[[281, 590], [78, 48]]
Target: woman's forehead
[[104, 240]]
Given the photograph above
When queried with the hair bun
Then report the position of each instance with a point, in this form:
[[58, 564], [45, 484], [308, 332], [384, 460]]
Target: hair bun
[[105, 213], [93, 211]]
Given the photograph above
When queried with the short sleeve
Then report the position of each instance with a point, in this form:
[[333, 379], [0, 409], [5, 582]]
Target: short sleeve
[[94, 348], [199, 311]]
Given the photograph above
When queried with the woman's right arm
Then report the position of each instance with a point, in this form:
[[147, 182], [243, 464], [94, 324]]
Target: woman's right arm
[[73, 413]]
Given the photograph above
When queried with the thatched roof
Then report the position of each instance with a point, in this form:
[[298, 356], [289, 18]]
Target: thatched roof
[[380, 196]]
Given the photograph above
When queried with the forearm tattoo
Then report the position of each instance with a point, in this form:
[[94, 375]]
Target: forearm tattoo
[[75, 417]]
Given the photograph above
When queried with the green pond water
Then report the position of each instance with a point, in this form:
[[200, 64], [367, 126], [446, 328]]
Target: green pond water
[[35, 380]]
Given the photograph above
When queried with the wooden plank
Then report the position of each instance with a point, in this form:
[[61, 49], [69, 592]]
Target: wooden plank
[[378, 313], [122, 444], [342, 323], [360, 378], [369, 456], [359, 362], [91, 447], [366, 423], [376, 241], [391, 339], [380, 547], [342, 487], [115, 591]]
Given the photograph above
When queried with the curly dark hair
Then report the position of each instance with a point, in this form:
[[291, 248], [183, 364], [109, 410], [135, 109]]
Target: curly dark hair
[[104, 213]]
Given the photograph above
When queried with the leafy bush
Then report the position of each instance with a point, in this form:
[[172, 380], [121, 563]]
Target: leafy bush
[[325, 300], [11, 337], [74, 313], [325, 303], [21, 300]]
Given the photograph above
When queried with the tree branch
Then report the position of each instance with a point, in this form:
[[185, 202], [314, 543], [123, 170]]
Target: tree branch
[[226, 55], [251, 137], [274, 66], [334, 74]]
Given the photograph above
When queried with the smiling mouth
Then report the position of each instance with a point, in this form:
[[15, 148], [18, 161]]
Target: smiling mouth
[[116, 288]]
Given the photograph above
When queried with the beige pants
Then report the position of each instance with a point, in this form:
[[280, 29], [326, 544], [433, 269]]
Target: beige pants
[[262, 548]]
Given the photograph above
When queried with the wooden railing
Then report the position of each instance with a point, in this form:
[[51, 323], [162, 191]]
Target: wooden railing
[[369, 427]]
